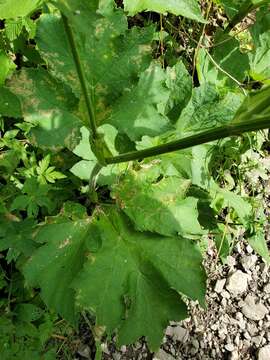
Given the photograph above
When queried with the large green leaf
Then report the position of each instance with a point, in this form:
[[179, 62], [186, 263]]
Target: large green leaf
[[187, 8], [158, 205], [131, 281], [133, 277], [15, 8], [112, 55], [48, 105]]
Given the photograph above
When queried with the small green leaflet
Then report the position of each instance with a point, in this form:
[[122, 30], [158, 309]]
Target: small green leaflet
[[130, 280], [187, 8], [257, 238], [36, 195], [47, 173], [28, 312], [14, 27], [224, 198]]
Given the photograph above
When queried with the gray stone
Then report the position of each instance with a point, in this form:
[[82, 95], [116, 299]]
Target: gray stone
[[257, 340], [249, 261], [162, 355], [195, 346], [230, 261], [267, 289], [225, 294], [219, 285], [178, 333], [240, 320], [252, 329], [237, 340], [249, 249], [229, 347], [247, 335], [237, 283], [234, 355], [224, 303], [253, 310]]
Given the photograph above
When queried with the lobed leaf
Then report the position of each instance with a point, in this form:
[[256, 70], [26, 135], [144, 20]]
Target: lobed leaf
[[131, 281], [112, 55], [133, 276]]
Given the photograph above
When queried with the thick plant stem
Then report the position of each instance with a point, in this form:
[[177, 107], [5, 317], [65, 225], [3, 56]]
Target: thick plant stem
[[82, 79], [247, 7], [235, 129]]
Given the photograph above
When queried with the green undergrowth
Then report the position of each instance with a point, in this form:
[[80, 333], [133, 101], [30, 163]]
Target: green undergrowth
[[106, 204]]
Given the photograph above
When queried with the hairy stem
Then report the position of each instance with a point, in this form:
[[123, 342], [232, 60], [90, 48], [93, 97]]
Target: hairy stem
[[87, 96], [261, 122], [244, 10]]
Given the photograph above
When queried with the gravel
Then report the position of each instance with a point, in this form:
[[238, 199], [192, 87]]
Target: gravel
[[236, 323], [253, 309], [220, 285], [264, 353]]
